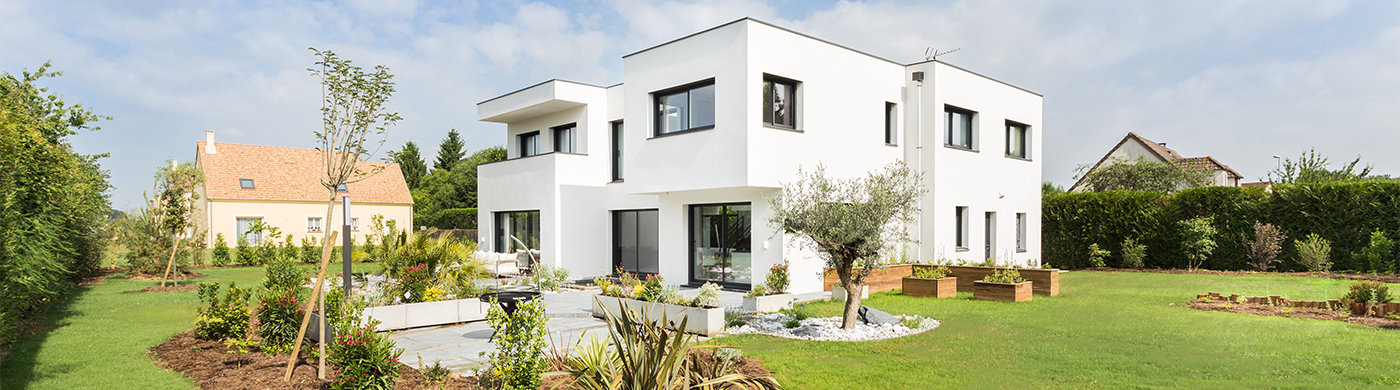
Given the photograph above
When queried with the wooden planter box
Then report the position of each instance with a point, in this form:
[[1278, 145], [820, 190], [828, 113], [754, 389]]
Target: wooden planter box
[[939, 288], [1047, 281], [708, 322], [839, 293], [880, 280], [1004, 292], [415, 315], [768, 303]]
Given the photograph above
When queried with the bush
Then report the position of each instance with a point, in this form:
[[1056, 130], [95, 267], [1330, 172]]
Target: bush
[[221, 255], [1007, 275], [519, 357], [283, 274], [310, 253], [778, 278], [1097, 255], [708, 296], [1313, 253], [1197, 240], [222, 318], [279, 317], [364, 359], [243, 253], [414, 282], [931, 272], [1368, 291], [1133, 253], [1263, 250], [1377, 254], [651, 289]]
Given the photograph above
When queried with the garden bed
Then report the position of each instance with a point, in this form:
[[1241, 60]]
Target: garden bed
[[1293, 312], [1390, 278], [183, 287], [417, 315], [1047, 281], [703, 321], [880, 280]]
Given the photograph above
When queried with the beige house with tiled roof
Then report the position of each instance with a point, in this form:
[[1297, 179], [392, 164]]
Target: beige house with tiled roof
[[1134, 147], [281, 187]]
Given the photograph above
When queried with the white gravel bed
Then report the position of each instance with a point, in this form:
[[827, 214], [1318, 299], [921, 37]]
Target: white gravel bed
[[827, 328]]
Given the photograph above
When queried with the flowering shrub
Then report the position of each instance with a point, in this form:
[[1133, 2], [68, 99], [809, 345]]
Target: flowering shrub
[[651, 289], [434, 294], [777, 281], [363, 359], [222, 318], [279, 317], [414, 282]]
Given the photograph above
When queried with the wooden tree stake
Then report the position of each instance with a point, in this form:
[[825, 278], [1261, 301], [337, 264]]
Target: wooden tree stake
[[315, 295]]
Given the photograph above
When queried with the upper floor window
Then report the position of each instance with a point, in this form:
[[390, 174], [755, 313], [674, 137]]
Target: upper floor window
[[617, 150], [529, 144], [891, 123], [959, 127], [246, 184], [565, 138], [685, 108], [779, 102], [1015, 139]]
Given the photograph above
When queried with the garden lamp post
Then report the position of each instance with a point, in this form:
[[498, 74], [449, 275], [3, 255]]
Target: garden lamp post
[[346, 248]]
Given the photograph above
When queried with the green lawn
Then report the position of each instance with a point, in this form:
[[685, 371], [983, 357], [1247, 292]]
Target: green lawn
[[101, 336], [1104, 330]]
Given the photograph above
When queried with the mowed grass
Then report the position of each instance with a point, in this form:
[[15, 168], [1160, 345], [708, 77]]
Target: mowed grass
[[1104, 330], [100, 335]]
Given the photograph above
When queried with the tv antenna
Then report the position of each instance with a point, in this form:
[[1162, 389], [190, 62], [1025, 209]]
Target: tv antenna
[[932, 54]]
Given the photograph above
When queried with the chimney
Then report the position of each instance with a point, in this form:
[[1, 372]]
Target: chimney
[[209, 142]]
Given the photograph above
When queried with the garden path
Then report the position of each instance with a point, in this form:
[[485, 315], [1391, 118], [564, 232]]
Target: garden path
[[569, 316]]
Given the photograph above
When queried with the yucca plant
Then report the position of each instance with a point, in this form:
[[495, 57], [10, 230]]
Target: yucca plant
[[641, 353]]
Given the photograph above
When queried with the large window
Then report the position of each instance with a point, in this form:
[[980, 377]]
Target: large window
[[529, 144], [959, 127], [1015, 139], [565, 138], [617, 150], [961, 228], [244, 227], [891, 123], [721, 245], [515, 228], [635, 241], [687, 108], [779, 102], [1020, 232]]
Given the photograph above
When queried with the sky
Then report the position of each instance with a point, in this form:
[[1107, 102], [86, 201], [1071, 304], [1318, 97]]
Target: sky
[[1241, 81]]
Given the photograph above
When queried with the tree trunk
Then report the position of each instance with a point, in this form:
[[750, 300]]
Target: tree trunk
[[175, 243], [852, 312]]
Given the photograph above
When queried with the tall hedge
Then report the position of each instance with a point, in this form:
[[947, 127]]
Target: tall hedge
[[1343, 213], [464, 218]]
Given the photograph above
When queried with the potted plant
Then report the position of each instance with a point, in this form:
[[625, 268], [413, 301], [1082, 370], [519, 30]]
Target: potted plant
[[929, 281], [1004, 285], [772, 295]]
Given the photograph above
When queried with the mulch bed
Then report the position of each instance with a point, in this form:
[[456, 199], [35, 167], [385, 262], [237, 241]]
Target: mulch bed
[[1292, 312], [207, 363], [1384, 278], [183, 287]]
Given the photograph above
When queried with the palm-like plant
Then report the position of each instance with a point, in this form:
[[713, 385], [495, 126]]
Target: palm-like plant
[[641, 353], [450, 260]]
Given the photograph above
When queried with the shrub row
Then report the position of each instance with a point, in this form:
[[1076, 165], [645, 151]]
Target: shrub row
[[1344, 214], [448, 219]]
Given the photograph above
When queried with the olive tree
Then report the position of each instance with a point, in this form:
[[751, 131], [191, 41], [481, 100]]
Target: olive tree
[[849, 221]]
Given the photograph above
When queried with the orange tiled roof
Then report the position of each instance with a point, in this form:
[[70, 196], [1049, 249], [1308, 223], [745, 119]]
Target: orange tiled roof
[[280, 173]]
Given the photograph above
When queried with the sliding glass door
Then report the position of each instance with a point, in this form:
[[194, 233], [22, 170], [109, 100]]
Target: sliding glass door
[[634, 241], [517, 227], [720, 242]]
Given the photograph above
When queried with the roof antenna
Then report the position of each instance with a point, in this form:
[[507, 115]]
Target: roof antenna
[[932, 54]]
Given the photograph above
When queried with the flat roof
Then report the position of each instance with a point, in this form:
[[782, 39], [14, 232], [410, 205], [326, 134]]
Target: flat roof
[[539, 84]]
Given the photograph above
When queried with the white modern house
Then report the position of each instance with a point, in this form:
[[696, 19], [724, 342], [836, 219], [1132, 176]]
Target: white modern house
[[667, 172]]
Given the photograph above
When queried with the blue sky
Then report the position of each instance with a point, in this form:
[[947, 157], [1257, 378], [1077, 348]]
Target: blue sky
[[1237, 80]]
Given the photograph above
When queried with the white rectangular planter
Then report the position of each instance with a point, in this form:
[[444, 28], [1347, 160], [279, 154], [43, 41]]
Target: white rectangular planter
[[768, 303], [414, 315], [708, 322], [838, 293]]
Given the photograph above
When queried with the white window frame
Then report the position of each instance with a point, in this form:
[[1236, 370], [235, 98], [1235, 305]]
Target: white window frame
[[316, 227]]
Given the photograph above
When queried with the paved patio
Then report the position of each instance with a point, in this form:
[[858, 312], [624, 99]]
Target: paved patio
[[569, 316]]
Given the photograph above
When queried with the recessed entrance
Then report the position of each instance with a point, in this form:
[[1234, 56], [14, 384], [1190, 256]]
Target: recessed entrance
[[721, 245]]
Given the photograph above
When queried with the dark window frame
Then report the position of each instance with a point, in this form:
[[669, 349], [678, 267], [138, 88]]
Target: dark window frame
[[690, 262], [658, 114], [617, 235], [769, 81], [246, 184], [616, 128], [961, 240], [572, 130], [891, 123], [1021, 221], [1025, 139], [521, 141], [948, 111]]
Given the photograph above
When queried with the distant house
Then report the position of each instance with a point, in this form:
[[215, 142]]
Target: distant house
[[1134, 147], [281, 187]]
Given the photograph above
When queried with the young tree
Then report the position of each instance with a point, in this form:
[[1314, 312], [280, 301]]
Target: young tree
[[411, 163], [449, 152], [175, 198], [1264, 248], [849, 222], [1312, 168], [352, 111], [1141, 175], [1197, 240]]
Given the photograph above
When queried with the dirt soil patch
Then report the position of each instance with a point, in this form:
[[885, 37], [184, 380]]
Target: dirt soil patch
[[211, 367], [148, 277], [1294, 312], [183, 287], [1383, 278]]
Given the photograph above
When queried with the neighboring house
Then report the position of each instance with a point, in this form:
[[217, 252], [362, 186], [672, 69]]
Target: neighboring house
[[669, 172], [282, 187], [1134, 147]]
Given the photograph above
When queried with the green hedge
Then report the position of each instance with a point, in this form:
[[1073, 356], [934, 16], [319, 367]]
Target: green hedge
[[448, 219], [1343, 213]]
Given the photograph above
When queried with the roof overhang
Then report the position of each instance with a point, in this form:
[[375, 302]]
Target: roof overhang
[[539, 99]]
